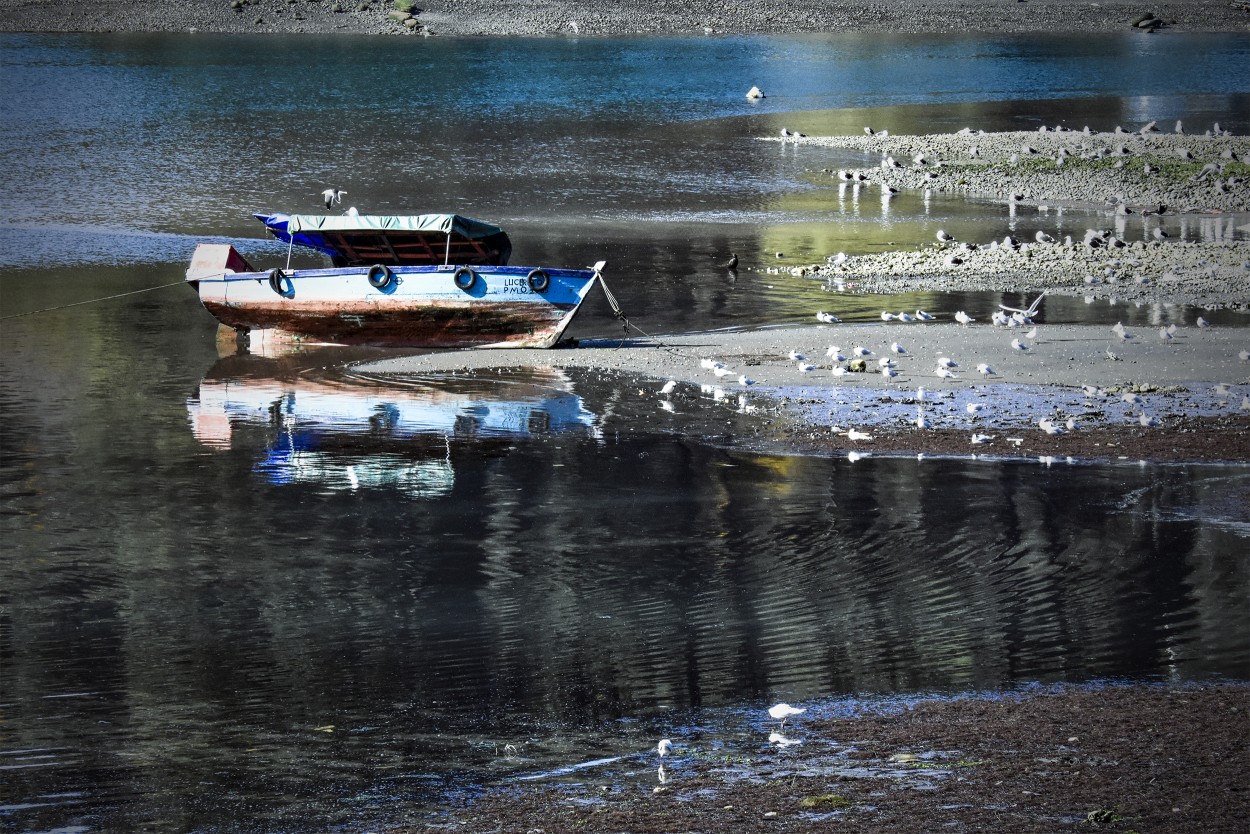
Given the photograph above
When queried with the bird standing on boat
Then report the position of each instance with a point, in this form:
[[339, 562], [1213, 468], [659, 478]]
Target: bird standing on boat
[[332, 196]]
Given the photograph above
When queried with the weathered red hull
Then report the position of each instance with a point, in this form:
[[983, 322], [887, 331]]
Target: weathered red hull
[[428, 325], [392, 305]]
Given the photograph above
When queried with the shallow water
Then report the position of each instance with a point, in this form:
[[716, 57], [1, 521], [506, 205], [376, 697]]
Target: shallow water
[[245, 594]]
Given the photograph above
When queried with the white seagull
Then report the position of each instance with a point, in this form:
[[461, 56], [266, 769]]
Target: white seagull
[[332, 196], [664, 747], [964, 318], [669, 387], [1049, 427], [1019, 345], [827, 318], [895, 347], [985, 370], [851, 434], [947, 362]]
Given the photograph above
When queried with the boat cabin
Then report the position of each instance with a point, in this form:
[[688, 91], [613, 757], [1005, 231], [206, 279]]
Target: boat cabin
[[396, 240]]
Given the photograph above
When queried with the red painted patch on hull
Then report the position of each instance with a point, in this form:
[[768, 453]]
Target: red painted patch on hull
[[427, 325]]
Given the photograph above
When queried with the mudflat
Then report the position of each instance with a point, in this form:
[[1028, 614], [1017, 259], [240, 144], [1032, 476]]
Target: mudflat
[[579, 17], [1136, 758]]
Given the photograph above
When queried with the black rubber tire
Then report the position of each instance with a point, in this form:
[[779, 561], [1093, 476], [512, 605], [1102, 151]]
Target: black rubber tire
[[538, 280], [465, 278], [380, 276], [280, 283]]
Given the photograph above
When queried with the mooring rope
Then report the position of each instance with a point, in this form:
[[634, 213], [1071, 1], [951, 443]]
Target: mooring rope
[[92, 300], [627, 324]]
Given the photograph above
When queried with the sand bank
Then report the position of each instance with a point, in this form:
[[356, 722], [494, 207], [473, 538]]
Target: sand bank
[[1135, 179], [1180, 399]]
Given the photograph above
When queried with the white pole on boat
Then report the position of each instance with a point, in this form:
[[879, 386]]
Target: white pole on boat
[[290, 244], [447, 257]]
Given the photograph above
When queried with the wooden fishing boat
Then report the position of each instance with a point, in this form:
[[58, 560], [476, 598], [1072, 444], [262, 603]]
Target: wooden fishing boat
[[430, 280]]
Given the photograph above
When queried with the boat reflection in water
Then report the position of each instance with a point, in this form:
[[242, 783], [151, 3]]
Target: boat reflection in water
[[348, 431]]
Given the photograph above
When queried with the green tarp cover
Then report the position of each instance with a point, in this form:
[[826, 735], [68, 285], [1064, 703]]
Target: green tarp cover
[[444, 223]]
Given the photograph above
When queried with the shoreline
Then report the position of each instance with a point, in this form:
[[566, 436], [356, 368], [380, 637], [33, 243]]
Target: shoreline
[[1193, 389], [571, 18], [1138, 757]]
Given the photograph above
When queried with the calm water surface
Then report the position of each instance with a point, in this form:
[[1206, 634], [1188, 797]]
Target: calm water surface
[[247, 594]]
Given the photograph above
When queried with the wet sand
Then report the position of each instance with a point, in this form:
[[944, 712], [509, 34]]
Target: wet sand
[[1139, 758], [580, 17], [1192, 388]]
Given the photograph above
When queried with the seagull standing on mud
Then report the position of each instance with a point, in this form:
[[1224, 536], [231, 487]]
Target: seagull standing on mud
[[783, 711]]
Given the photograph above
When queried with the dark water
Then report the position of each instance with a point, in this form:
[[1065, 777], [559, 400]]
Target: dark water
[[246, 594]]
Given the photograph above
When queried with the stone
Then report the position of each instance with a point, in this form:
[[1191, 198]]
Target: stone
[[398, 16]]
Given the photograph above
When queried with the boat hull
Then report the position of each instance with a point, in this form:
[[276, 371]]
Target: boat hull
[[417, 306]]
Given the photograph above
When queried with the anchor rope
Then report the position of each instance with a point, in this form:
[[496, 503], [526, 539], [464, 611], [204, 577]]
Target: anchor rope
[[91, 300]]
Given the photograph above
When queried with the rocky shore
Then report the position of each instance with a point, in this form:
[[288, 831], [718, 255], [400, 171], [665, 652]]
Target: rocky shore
[[1139, 179], [576, 17]]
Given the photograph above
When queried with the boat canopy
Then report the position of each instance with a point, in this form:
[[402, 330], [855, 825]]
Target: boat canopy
[[352, 240]]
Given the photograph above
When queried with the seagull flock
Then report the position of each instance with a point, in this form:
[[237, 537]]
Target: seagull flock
[[897, 362]]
